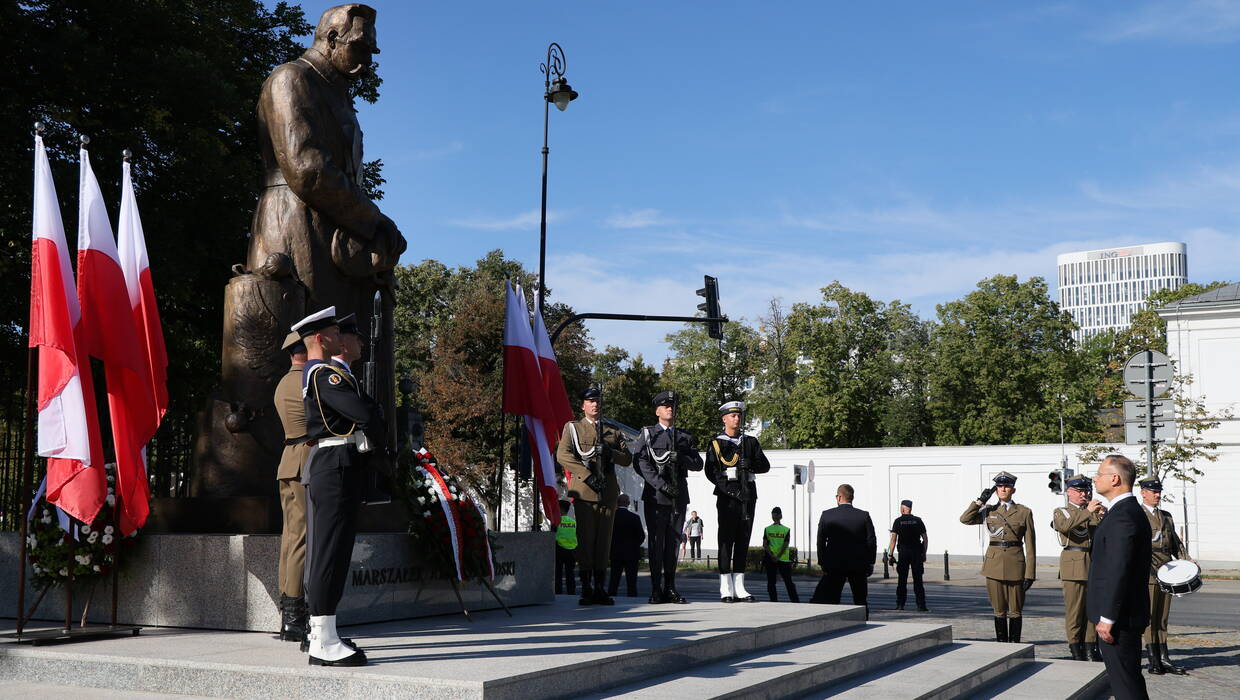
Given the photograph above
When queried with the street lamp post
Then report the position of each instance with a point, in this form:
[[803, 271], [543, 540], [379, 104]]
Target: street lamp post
[[556, 90]]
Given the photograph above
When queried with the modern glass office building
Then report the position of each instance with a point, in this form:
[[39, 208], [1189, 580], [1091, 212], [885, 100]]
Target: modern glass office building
[[1102, 289]]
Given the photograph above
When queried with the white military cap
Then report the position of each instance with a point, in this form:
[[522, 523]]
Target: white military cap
[[732, 407], [315, 322]]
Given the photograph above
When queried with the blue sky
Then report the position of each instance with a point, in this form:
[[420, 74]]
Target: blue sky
[[906, 149]]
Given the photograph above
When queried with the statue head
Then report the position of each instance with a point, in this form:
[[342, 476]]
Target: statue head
[[346, 36]]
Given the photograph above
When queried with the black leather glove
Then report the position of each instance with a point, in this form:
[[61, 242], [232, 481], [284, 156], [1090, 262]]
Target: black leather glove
[[671, 489], [744, 465], [597, 482], [672, 456], [986, 494], [1027, 584]]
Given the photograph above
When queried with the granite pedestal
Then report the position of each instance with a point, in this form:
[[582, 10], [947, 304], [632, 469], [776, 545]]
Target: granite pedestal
[[229, 582]]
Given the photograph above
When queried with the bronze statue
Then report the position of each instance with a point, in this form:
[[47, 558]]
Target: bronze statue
[[317, 240]]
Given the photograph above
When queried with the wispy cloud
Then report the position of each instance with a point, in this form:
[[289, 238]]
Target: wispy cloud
[[1178, 21], [518, 222], [447, 149], [638, 218]]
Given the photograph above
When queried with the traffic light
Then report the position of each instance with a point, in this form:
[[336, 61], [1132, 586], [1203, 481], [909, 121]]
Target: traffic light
[[1056, 485], [710, 307]]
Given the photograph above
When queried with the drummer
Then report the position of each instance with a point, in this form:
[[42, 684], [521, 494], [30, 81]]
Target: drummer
[[1165, 546]]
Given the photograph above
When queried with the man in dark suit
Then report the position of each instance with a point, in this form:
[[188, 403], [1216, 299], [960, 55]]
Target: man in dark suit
[[626, 547], [847, 548], [1117, 600]]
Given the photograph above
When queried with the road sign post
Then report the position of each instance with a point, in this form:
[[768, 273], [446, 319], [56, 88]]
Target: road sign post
[[1147, 375]]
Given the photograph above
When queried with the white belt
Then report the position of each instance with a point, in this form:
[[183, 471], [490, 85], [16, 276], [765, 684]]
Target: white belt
[[338, 441]]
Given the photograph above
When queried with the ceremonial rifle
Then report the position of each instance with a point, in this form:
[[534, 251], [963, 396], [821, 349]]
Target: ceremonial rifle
[[742, 472], [597, 478], [670, 472]]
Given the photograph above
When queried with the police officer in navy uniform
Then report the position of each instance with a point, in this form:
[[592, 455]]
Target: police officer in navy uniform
[[345, 426], [909, 541], [665, 455], [732, 459]]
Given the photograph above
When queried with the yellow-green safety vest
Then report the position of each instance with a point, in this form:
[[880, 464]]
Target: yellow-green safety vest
[[776, 538], [566, 533]]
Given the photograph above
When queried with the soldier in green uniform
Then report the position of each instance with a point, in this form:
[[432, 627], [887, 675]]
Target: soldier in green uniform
[[294, 622], [1075, 523], [1008, 569], [1165, 545], [594, 491]]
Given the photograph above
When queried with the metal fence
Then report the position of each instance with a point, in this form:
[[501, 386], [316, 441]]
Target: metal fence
[[169, 454]]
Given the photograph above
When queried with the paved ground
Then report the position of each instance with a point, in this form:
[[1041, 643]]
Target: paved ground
[[1204, 632]]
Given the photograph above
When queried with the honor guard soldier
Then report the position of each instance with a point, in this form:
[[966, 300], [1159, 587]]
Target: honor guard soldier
[[590, 451], [1165, 545], [910, 541], [1009, 569], [292, 411], [665, 455], [350, 349], [1075, 523], [345, 426], [732, 459]]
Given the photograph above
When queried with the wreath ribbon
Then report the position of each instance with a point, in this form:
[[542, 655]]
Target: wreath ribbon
[[445, 497]]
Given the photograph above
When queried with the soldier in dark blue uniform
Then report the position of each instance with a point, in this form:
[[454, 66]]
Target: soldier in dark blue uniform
[[345, 425], [910, 542], [665, 455]]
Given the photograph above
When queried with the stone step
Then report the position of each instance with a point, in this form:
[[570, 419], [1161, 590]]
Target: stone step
[[543, 651], [950, 671], [794, 669], [1050, 679]]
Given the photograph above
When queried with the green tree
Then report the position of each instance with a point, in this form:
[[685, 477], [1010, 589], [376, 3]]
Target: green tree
[[177, 83], [1004, 368], [906, 420], [775, 365], [628, 385], [847, 349], [708, 372]]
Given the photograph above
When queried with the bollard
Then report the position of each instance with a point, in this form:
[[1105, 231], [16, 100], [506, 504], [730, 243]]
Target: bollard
[[947, 575], [886, 574]]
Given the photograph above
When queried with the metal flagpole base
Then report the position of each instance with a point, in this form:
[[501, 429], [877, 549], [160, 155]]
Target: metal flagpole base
[[76, 634]]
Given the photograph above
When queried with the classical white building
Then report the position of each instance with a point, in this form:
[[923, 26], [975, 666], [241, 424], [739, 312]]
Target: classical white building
[[1102, 289]]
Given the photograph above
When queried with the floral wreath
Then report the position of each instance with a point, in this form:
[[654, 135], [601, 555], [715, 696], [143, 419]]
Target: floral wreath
[[53, 552], [448, 521]]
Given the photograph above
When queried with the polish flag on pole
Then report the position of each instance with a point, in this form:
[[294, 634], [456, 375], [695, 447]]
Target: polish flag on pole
[[525, 395], [109, 334], [68, 425], [131, 246], [553, 383]]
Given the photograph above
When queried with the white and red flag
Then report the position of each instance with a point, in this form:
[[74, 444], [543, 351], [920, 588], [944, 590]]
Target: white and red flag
[[525, 395], [68, 424], [553, 383], [136, 266], [109, 334]]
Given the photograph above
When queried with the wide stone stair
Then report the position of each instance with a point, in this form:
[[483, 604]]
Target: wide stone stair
[[703, 650]]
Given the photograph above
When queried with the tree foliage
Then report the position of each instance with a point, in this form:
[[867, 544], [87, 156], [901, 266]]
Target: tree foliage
[[708, 372], [776, 375], [1004, 368], [628, 384], [177, 83], [848, 349]]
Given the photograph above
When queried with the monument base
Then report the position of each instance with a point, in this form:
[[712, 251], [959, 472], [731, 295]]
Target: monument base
[[252, 515], [229, 582]]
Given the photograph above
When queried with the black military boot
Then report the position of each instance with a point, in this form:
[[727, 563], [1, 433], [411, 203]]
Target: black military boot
[[1166, 661], [1001, 630], [1095, 654], [600, 589], [1014, 625], [1156, 667], [1077, 649], [587, 593], [294, 619]]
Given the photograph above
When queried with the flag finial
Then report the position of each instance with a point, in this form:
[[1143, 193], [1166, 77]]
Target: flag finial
[[126, 154], [39, 128], [84, 139]]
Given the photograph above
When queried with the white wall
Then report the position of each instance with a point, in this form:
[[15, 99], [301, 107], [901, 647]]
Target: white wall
[[941, 481], [1205, 343]]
